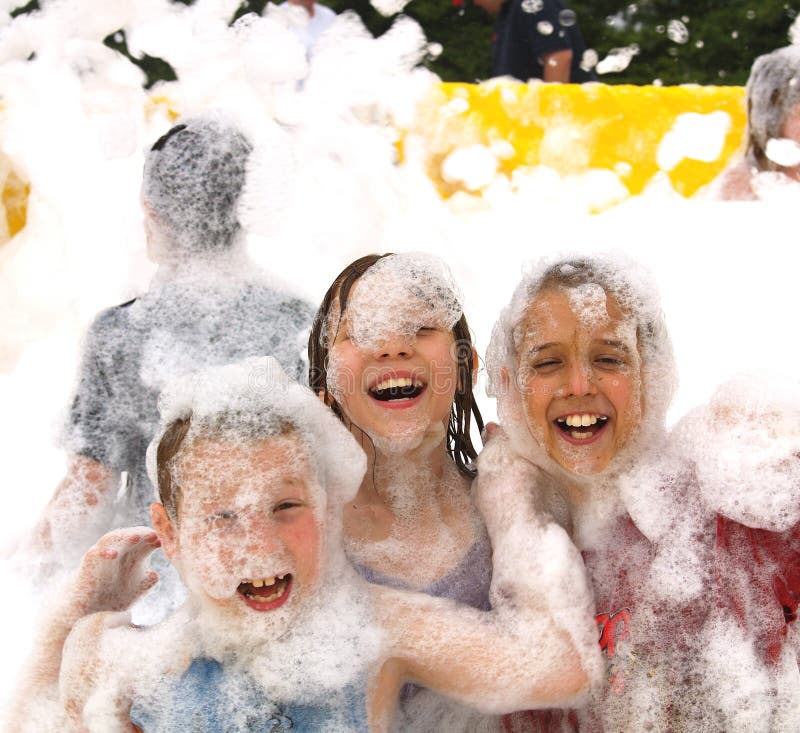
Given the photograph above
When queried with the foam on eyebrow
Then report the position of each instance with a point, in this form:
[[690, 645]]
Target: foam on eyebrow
[[399, 295]]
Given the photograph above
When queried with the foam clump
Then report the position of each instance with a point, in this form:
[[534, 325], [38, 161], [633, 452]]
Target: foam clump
[[400, 295], [261, 388], [745, 446]]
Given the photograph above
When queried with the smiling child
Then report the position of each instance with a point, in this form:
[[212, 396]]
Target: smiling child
[[279, 631]]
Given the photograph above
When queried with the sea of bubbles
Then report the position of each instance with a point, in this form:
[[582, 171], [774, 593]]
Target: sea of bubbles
[[325, 188]]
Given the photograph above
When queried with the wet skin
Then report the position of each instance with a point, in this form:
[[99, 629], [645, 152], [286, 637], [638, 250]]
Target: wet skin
[[580, 378], [247, 538]]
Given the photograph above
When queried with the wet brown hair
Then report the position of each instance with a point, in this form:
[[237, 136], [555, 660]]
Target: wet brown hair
[[577, 272], [168, 447], [464, 407]]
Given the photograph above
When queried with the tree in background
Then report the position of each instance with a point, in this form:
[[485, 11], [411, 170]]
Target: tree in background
[[667, 41], [675, 41]]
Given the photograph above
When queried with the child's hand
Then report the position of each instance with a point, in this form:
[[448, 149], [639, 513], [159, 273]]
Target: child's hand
[[506, 484], [111, 576]]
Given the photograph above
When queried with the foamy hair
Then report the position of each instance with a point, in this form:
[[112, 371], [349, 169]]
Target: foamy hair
[[773, 89], [260, 393], [582, 277], [399, 295], [745, 448], [193, 177]]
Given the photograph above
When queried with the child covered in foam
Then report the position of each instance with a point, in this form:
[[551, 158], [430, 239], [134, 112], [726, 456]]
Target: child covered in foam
[[279, 632], [694, 575], [729, 481]]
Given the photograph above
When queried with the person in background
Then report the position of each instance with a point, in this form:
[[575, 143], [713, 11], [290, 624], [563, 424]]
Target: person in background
[[537, 39], [207, 304], [772, 152], [320, 18]]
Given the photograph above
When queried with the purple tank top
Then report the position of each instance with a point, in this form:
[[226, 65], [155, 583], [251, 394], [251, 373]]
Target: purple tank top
[[468, 582]]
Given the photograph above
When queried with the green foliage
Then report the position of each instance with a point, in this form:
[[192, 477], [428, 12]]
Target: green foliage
[[464, 33], [724, 36]]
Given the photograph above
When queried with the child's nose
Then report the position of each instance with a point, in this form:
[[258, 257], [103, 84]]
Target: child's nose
[[394, 348], [581, 380], [262, 539]]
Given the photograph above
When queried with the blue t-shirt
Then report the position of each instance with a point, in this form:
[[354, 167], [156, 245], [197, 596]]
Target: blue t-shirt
[[208, 698]]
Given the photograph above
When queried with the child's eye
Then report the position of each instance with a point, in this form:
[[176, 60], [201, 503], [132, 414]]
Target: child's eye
[[610, 362], [546, 366], [219, 519], [288, 504]]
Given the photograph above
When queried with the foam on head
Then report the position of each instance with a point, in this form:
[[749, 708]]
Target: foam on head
[[399, 295], [234, 411], [386, 300], [586, 281], [255, 399], [745, 448], [773, 89], [193, 177]]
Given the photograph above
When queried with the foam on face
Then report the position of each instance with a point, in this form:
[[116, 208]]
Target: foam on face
[[399, 296], [595, 287], [772, 92], [394, 302], [261, 456]]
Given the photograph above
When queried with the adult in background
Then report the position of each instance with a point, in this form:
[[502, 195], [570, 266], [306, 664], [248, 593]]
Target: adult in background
[[320, 18], [537, 39], [208, 304]]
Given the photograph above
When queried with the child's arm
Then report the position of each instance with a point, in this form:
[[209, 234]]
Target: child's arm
[[537, 647], [110, 577], [91, 682], [78, 512]]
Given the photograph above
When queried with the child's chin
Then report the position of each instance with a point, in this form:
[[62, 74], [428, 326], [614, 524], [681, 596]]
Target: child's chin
[[225, 625]]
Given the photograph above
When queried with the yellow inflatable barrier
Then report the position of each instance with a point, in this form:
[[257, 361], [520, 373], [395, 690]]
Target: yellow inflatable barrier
[[572, 129], [14, 197], [568, 128]]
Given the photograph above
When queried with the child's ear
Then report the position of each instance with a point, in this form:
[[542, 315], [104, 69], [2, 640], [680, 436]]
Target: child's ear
[[165, 529], [505, 379]]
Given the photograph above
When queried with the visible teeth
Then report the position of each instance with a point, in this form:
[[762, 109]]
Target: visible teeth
[[262, 582], [265, 599], [578, 435], [578, 421], [395, 382]]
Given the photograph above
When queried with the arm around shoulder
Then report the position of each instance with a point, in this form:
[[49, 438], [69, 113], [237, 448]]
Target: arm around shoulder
[[538, 646]]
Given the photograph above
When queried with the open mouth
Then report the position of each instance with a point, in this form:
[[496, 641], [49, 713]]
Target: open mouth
[[581, 427], [397, 389], [266, 594]]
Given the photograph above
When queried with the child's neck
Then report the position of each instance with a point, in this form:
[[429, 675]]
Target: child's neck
[[592, 509], [412, 517], [410, 482]]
